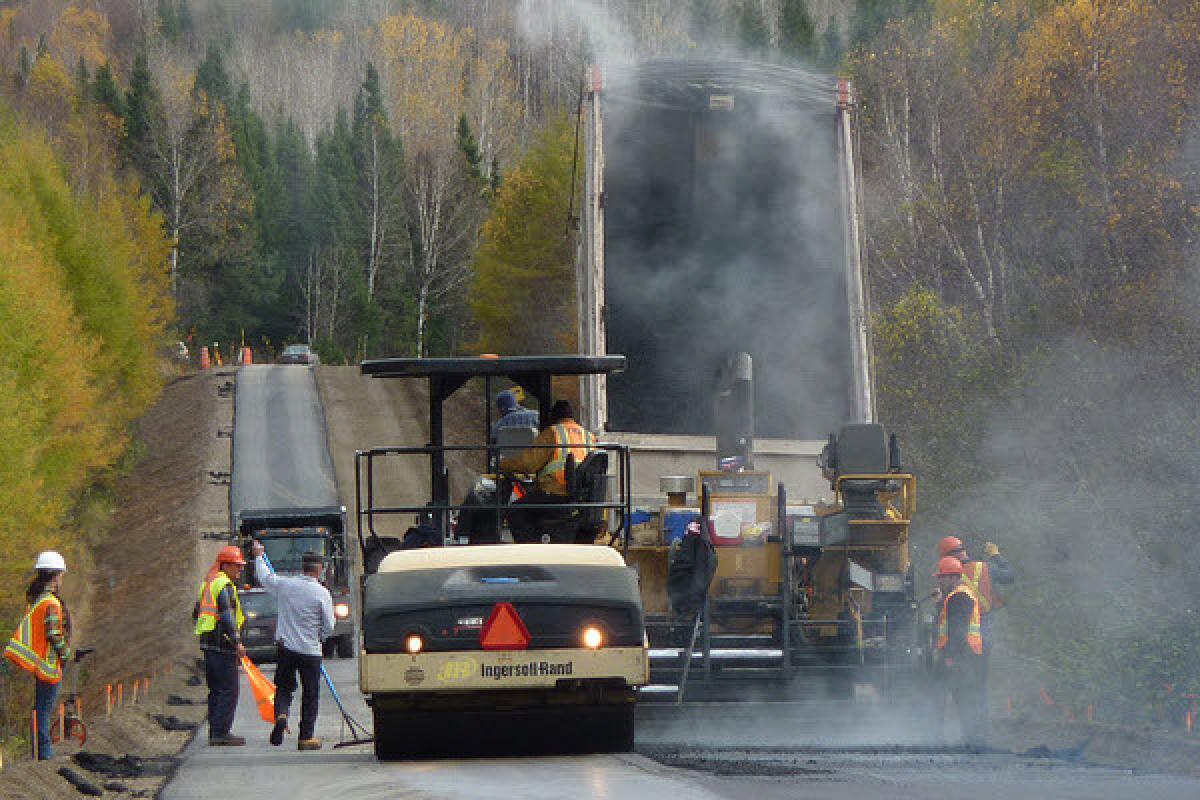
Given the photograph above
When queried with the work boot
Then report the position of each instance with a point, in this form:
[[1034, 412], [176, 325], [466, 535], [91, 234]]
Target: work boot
[[278, 730], [309, 744], [228, 740]]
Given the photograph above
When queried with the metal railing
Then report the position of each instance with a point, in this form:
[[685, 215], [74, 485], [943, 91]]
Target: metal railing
[[370, 497]]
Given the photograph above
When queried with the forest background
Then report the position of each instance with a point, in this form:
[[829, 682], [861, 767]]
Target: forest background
[[391, 176]]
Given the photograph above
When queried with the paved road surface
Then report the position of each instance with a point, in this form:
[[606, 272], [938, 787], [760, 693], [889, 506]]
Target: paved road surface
[[277, 413], [261, 771]]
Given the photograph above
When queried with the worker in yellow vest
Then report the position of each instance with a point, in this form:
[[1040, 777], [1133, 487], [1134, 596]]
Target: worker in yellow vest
[[549, 464], [219, 622], [960, 650], [41, 643], [981, 578]]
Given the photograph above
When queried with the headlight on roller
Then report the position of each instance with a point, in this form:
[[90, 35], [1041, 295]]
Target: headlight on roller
[[593, 637], [341, 610], [414, 644]]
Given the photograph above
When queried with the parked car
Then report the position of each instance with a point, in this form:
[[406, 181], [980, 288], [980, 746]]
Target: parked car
[[299, 354]]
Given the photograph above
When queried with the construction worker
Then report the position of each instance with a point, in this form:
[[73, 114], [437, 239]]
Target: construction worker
[[979, 577], [549, 464], [960, 650], [41, 643], [305, 622], [512, 414], [219, 622]]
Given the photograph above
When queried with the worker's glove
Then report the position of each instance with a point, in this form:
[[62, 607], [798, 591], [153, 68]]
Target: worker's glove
[[990, 549]]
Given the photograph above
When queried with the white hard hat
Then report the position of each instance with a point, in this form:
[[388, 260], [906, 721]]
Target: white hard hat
[[51, 560]]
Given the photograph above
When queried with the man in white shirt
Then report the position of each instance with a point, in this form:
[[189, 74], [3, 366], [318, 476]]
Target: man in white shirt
[[305, 621]]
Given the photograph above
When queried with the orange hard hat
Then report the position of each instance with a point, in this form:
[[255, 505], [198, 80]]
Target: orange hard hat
[[231, 554], [948, 565], [948, 545]]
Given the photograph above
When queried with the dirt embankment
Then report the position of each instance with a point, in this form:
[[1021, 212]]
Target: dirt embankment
[[363, 412], [137, 610]]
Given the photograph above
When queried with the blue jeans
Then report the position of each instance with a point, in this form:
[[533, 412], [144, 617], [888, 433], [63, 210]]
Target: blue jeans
[[221, 670], [43, 704]]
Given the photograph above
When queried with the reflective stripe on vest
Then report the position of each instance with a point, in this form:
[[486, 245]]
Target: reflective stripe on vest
[[30, 648], [978, 579], [974, 629], [578, 442], [206, 619]]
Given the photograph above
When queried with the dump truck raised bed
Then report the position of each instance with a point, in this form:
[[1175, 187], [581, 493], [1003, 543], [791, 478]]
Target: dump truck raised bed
[[720, 249]]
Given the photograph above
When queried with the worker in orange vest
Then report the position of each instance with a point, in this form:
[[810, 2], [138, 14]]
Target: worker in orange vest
[[219, 621], [41, 643], [959, 648], [549, 464]]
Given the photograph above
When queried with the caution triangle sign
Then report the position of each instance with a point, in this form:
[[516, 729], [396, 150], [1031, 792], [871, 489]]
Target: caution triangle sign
[[504, 630]]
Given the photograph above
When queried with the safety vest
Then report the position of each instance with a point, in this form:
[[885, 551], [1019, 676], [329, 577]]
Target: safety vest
[[974, 628], [978, 579], [206, 619], [574, 440], [30, 648]]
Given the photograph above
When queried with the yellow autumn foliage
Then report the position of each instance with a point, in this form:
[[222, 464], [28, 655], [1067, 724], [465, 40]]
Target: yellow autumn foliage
[[83, 310]]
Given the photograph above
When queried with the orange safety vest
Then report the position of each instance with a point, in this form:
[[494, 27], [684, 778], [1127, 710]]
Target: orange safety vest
[[573, 439], [974, 628], [978, 579], [30, 648], [206, 617]]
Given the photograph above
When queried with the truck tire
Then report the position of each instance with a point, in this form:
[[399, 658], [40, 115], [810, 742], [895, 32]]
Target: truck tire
[[345, 646]]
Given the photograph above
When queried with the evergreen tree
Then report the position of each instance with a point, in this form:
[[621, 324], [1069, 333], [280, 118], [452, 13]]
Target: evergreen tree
[[708, 24], [469, 146], [379, 164], [106, 92], [211, 77], [143, 112], [831, 46], [752, 25], [168, 20], [796, 30]]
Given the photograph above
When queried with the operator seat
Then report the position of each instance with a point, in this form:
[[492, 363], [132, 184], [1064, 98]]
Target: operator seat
[[586, 483], [860, 449]]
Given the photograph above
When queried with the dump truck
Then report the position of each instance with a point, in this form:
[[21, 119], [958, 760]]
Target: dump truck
[[720, 248], [287, 534]]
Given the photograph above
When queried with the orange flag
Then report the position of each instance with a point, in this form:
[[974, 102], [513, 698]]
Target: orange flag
[[264, 690]]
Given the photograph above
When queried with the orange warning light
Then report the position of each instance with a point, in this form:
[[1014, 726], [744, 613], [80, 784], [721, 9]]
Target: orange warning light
[[504, 630]]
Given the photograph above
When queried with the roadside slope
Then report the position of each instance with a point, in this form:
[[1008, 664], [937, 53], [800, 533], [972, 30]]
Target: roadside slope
[[137, 612]]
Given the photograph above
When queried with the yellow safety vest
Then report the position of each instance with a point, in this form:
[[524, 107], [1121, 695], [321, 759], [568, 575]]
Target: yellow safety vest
[[978, 579], [974, 628], [30, 648], [206, 619], [573, 439]]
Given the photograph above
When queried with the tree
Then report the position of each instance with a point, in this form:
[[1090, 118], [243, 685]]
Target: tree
[[797, 34], [425, 64], [379, 162], [106, 92], [468, 146], [522, 292], [752, 26]]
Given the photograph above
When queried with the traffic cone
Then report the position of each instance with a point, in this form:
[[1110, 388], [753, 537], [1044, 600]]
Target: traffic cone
[[263, 690], [205, 361], [247, 356]]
